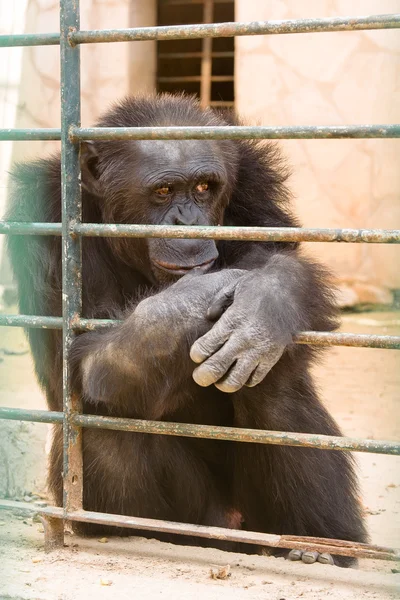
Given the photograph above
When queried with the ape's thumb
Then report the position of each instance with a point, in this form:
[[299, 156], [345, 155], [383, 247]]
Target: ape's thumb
[[221, 302]]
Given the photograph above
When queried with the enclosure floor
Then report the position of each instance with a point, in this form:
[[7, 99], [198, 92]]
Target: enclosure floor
[[361, 389]]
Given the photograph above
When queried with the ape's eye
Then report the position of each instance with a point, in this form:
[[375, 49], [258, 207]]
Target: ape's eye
[[202, 187], [165, 190]]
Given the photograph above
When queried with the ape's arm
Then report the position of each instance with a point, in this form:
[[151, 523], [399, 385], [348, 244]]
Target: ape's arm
[[132, 365], [281, 294]]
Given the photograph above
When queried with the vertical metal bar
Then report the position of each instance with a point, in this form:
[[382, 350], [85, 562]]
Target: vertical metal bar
[[71, 246], [206, 61], [53, 532]]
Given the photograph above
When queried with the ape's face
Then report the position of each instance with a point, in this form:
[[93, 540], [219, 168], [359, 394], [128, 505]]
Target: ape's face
[[180, 183], [167, 183]]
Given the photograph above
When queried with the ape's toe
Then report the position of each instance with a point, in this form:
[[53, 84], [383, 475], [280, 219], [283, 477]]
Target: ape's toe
[[295, 555], [310, 557], [326, 559]]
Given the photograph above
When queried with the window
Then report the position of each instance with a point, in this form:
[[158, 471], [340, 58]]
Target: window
[[203, 67]]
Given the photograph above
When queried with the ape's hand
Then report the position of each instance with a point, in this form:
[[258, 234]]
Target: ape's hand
[[179, 313], [248, 339]]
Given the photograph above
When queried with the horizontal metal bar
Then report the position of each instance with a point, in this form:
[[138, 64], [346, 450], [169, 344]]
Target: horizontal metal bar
[[255, 234], [280, 438], [19, 135], [207, 133], [17, 228], [331, 546], [217, 30], [237, 132], [276, 234], [183, 32], [30, 39], [355, 340], [34, 416], [316, 338], [232, 434]]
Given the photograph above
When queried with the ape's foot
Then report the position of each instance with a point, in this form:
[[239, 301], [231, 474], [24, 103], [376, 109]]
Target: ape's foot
[[310, 557]]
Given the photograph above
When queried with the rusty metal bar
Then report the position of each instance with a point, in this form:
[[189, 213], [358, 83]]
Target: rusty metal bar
[[309, 132], [254, 234], [214, 30], [285, 438], [214, 432], [332, 546], [183, 32], [53, 532], [316, 338], [71, 247], [206, 59], [306, 132], [287, 234], [33, 416]]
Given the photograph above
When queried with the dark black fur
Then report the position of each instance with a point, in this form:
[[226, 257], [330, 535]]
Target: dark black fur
[[269, 488]]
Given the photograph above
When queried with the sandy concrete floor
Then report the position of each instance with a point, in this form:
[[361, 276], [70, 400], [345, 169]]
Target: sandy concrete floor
[[361, 389]]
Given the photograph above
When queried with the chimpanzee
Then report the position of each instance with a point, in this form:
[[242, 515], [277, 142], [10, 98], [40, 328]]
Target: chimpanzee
[[206, 333]]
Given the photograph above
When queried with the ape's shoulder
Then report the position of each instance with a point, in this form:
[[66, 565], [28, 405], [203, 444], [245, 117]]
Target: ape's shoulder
[[35, 190], [261, 195]]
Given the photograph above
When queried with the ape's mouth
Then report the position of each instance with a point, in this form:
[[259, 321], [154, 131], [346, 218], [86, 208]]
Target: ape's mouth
[[182, 270]]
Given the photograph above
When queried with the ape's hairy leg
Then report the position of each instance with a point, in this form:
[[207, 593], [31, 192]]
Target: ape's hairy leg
[[158, 477], [136, 367], [291, 490]]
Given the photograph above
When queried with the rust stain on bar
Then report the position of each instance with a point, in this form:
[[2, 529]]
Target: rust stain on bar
[[332, 546]]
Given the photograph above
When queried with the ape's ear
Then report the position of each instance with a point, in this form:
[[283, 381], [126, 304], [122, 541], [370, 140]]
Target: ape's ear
[[89, 171]]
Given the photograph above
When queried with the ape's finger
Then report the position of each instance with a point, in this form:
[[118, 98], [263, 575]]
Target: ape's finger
[[212, 341], [268, 361], [236, 376], [258, 375], [217, 365], [223, 300]]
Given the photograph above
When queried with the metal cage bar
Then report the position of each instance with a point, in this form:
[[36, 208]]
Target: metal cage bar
[[237, 132], [231, 434], [71, 248], [183, 32], [316, 338], [341, 547], [71, 229], [252, 234]]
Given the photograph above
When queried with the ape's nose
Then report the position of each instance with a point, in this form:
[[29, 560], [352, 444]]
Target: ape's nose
[[186, 214]]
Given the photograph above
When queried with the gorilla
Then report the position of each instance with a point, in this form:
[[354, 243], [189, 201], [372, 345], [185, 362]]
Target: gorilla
[[206, 334]]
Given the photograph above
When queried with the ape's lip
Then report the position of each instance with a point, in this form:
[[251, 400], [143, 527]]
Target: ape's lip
[[181, 270]]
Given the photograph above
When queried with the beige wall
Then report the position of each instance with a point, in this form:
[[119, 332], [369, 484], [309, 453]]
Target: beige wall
[[108, 71], [331, 79]]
